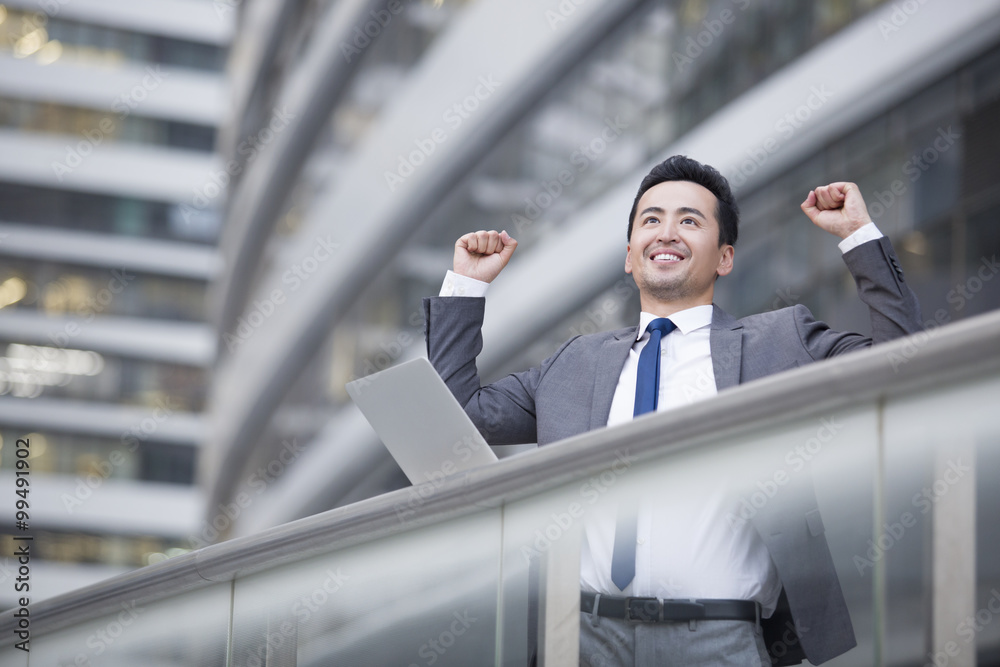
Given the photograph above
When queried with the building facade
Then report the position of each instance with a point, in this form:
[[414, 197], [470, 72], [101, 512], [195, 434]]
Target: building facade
[[415, 122], [108, 122]]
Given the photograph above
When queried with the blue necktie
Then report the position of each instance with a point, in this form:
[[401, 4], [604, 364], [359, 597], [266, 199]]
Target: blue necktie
[[647, 379], [647, 392]]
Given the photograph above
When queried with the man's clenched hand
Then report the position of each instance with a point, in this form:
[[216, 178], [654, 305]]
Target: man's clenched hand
[[837, 208], [482, 255]]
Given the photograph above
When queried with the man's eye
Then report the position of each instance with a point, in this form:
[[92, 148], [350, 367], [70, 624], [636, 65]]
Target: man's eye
[[689, 220], [652, 220]]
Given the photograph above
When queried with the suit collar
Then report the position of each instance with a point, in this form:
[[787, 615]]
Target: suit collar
[[726, 342], [723, 320], [608, 368]]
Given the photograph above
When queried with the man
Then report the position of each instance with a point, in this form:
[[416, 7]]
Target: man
[[681, 236]]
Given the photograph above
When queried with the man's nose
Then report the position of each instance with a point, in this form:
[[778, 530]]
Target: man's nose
[[668, 232]]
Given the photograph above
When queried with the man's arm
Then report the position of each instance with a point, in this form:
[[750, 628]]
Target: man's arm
[[840, 209], [505, 410]]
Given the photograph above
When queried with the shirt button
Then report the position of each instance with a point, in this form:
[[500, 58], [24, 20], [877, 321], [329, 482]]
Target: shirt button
[[640, 541]]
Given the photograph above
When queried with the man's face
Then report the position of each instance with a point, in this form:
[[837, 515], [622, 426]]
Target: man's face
[[674, 253]]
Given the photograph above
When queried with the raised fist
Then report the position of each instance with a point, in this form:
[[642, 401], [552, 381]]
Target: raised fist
[[837, 208], [482, 255]]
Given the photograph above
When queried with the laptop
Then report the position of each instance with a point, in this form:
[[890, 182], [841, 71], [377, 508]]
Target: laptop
[[420, 422]]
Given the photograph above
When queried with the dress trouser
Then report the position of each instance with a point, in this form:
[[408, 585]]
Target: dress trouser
[[609, 642]]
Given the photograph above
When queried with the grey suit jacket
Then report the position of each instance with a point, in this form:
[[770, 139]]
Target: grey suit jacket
[[571, 393]]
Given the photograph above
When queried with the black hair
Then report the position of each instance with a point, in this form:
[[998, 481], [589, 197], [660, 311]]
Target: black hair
[[683, 168]]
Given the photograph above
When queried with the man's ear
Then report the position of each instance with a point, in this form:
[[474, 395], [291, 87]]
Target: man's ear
[[628, 258], [726, 260]]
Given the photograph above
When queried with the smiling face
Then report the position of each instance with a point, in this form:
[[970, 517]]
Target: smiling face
[[674, 252]]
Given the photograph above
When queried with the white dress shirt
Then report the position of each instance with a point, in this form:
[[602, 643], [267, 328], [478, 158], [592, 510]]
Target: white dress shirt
[[685, 548]]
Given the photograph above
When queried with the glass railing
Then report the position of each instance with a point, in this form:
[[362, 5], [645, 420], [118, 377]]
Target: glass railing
[[882, 463]]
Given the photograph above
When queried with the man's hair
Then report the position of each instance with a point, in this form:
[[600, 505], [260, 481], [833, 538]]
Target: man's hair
[[683, 168]]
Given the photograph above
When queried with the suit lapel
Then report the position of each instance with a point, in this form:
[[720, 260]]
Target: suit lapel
[[726, 341], [608, 368]]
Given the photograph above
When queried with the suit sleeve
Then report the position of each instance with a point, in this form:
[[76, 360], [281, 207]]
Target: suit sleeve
[[504, 412], [892, 305]]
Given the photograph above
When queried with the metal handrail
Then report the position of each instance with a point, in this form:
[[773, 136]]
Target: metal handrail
[[961, 350]]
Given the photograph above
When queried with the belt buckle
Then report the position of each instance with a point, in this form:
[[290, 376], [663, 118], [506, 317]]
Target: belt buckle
[[646, 610]]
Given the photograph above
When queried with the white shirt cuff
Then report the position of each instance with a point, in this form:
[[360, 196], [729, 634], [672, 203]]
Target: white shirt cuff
[[458, 285], [863, 235]]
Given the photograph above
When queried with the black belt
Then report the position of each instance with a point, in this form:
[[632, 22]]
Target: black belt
[[653, 610]]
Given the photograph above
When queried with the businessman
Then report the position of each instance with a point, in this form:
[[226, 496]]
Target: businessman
[[681, 235]]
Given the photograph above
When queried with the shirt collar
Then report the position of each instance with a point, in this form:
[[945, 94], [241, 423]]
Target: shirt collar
[[686, 321]]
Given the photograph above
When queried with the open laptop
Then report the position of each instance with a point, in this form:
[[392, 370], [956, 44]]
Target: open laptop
[[420, 422]]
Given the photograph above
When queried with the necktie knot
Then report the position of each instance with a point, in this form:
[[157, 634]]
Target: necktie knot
[[661, 324]]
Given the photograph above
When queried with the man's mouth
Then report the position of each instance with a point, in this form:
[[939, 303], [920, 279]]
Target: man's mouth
[[666, 256]]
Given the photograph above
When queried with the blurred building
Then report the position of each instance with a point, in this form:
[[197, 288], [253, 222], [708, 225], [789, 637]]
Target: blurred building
[[368, 136], [108, 120], [147, 281]]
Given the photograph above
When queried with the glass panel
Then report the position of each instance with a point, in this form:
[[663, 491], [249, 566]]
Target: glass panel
[[69, 289], [52, 118], [47, 207], [835, 453], [423, 597], [940, 525], [48, 39], [96, 458], [189, 630], [30, 371], [117, 551], [979, 292], [812, 477], [541, 536]]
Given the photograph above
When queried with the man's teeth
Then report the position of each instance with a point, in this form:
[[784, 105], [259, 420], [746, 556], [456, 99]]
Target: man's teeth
[[667, 257]]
